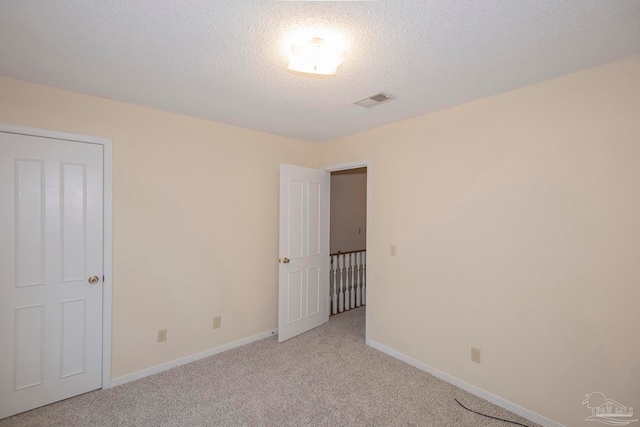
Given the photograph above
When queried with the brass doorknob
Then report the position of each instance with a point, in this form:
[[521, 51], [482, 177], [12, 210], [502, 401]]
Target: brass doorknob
[[94, 279], [286, 260]]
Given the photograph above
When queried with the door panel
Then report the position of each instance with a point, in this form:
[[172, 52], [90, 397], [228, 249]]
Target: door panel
[[74, 348], [304, 246], [29, 342], [295, 209], [313, 291], [29, 221], [295, 294], [51, 195], [73, 222]]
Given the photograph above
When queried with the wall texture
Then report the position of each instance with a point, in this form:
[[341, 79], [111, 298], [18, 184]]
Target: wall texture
[[348, 210], [195, 213], [516, 220]]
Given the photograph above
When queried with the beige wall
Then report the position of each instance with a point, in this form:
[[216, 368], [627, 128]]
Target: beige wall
[[515, 219], [348, 210], [195, 220], [517, 224]]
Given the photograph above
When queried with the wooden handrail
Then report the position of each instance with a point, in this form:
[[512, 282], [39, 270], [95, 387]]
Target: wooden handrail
[[348, 252]]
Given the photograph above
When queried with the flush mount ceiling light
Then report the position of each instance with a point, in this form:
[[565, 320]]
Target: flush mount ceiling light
[[315, 57]]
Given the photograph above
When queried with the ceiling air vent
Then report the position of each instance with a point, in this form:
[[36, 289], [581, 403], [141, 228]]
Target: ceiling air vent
[[374, 100]]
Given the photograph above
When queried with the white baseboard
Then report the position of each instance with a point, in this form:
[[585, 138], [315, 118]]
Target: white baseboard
[[188, 359], [503, 403]]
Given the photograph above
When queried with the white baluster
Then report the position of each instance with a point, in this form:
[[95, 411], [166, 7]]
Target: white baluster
[[364, 278], [330, 290], [352, 291], [358, 281], [347, 281], [341, 283], [334, 299]]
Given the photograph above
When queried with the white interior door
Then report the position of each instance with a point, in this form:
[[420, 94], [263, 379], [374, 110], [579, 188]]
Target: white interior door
[[51, 224], [304, 250]]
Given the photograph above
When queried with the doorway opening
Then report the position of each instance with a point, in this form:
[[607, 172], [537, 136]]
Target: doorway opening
[[304, 298], [348, 284]]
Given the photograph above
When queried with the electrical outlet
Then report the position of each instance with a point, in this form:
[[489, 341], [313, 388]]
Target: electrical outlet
[[475, 354], [217, 322], [392, 250], [162, 335]]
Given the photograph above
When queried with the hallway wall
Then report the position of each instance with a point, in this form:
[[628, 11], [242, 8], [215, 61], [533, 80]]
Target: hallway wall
[[348, 210]]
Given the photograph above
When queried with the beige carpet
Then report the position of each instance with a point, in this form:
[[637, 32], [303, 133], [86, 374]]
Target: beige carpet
[[326, 377]]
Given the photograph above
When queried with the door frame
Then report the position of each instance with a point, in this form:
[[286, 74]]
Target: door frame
[[355, 165], [107, 230]]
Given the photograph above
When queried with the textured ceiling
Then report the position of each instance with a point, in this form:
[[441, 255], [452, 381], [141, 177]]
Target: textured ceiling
[[226, 60]]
